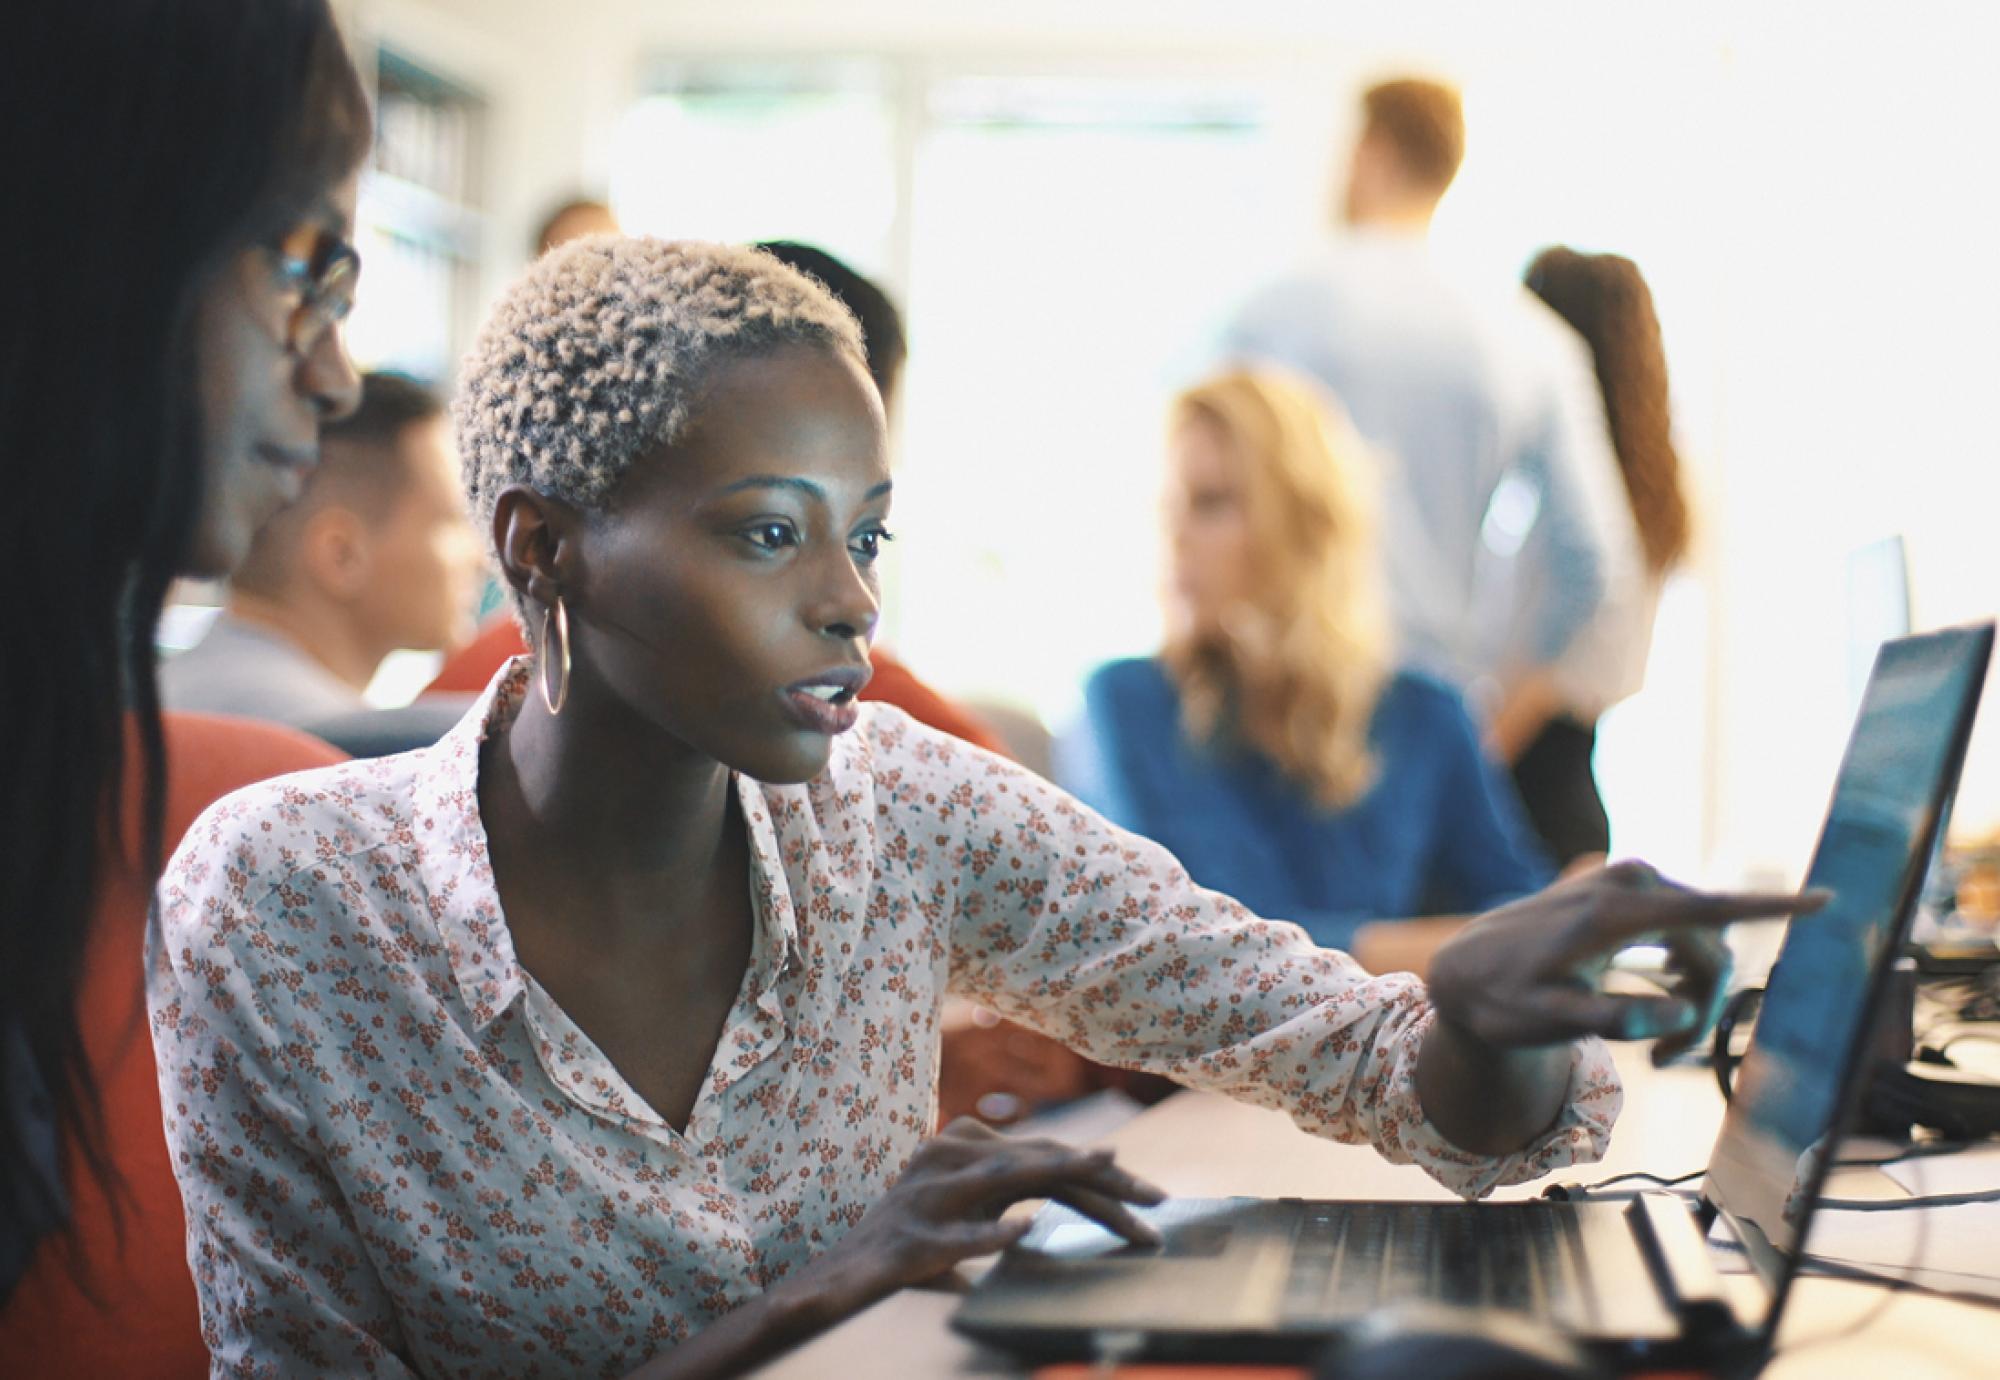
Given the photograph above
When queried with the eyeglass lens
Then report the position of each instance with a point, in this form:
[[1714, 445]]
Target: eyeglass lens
[[324, 270]]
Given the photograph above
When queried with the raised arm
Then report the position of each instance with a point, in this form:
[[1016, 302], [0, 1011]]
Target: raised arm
[[1518, 984], [1098, 938]]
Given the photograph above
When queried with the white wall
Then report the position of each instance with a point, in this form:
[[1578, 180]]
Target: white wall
[[1860, 364]]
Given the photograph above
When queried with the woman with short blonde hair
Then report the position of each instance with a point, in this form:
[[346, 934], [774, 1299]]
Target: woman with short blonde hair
[[601, 1037], [1273, 744]]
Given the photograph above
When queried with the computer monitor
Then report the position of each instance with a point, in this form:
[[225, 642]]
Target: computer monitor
[[1800, 1077], [1878, 606]]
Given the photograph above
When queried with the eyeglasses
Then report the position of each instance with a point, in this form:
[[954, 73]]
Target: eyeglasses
[[322, 269]]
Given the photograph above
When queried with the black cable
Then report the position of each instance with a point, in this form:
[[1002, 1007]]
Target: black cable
[[1920, 1150], [1980, 1003], [1840, 1268], [1641, 1174], [1859, 1274], [1840, 1334], [1991, 1195]]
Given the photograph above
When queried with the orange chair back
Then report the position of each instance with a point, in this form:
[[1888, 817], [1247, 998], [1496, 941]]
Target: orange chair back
[[129, 1310], [467, 670]]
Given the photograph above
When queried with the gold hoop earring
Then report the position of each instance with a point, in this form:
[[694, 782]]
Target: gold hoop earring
[[557, 655]]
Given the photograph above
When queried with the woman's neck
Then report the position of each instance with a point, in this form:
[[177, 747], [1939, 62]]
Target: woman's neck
[[613, 807]]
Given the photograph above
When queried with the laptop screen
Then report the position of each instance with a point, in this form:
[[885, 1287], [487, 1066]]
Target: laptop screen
[[1798, 1077]]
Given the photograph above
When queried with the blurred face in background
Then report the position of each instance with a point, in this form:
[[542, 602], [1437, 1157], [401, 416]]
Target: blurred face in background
[[424, 559], [1208, 525], [574, 222]]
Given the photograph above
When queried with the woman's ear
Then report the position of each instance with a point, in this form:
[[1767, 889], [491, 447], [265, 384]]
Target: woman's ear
[[535, 541]]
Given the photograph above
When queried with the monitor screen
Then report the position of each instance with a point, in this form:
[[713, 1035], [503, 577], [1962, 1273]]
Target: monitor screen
[[1878, 606], [1793, 1085]]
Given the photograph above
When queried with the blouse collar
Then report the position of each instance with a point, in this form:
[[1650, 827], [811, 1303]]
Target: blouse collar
[[464, 903]]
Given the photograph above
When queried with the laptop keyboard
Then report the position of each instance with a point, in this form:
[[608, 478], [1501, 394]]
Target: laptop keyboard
[[1349, 1256]]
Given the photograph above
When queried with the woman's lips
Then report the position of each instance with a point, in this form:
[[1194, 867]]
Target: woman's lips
[[826, 703], [822, 716]]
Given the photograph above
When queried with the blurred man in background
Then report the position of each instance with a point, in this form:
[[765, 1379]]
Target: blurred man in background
[[1485, 412], [376, 556], [572, 221]]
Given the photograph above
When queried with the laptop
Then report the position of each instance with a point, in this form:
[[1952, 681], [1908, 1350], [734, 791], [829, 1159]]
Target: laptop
[[1272, 1279]]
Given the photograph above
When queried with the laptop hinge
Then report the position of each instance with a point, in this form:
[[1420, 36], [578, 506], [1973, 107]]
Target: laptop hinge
[[1674, 1247]]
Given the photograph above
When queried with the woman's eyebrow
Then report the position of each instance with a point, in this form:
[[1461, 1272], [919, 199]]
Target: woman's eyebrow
[[807, 487]]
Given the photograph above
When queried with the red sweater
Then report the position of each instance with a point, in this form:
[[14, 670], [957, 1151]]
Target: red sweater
[[143, 1320]]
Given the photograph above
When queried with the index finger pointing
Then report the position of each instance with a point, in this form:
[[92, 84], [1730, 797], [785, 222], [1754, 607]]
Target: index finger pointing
[[1664, 908], [1727, 907]]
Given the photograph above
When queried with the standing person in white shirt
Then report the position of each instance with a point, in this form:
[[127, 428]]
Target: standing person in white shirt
[[1482, 404], [1606, 300]]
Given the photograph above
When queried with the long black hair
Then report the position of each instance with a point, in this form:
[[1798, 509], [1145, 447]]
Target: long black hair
[[143, 145]]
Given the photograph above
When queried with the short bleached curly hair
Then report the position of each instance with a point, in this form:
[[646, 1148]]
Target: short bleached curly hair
[[599, 353]]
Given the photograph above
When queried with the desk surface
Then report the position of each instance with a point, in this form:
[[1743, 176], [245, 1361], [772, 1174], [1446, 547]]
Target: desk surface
[[1200, 1145]]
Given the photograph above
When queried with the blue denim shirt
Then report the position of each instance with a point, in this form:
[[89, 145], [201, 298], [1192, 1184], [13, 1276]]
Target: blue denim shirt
[[1440, 832]]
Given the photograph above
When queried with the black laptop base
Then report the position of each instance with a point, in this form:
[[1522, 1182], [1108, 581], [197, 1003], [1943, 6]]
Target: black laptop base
[[1649, 1297]]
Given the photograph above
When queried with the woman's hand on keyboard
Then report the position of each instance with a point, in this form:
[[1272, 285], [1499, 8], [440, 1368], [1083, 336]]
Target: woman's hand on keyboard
[[947, 1206]]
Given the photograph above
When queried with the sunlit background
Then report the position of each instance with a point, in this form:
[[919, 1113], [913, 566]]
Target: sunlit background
[[1065, 196]]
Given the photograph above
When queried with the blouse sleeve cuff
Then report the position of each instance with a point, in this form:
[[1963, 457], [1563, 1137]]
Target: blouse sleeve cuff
[[1579, 1135]]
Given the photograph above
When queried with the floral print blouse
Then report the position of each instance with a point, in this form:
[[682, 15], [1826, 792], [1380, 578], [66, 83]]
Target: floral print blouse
[[398, 1155]]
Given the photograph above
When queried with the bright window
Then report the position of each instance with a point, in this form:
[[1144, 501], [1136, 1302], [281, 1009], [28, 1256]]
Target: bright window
[[1071, 245], [420, 227], [763, 155]]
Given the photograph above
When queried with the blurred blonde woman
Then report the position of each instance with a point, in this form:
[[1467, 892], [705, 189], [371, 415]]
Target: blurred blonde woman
[[1273, 744]]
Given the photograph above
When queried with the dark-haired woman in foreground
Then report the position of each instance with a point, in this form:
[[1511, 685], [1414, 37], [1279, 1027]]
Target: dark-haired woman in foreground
[[181, 181], [601, 1038]]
